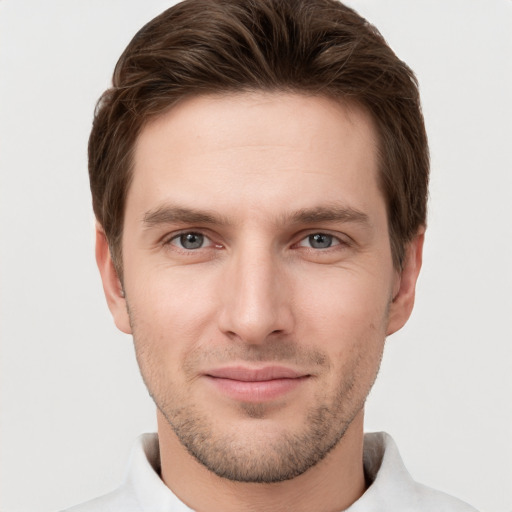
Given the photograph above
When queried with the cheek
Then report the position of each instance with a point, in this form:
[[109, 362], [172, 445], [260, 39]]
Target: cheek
[[169, 313], [348, 308], [347, 320]]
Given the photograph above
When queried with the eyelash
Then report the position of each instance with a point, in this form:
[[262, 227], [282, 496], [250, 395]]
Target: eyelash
[[335, 241], [179, 236]]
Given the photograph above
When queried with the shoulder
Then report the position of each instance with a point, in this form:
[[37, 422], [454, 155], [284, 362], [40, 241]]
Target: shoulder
[[122, 499], [125, 498], [393, 488], [142, 487], [428, 499]]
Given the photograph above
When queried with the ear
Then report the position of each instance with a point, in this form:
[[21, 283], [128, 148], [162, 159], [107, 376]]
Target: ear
[[111, 284], [403, 295]]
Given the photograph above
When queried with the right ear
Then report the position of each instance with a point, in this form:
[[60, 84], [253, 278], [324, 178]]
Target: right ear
[[111, 284]]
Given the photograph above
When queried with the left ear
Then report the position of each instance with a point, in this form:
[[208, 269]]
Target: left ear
[[403, 295]]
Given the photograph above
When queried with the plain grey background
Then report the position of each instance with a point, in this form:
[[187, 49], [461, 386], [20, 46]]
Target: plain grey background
[[72, 401]]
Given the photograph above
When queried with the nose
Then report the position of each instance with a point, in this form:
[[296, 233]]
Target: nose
[[256, 301]]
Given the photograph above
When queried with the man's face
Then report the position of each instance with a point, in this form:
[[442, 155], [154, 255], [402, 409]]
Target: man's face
[[258, 277]]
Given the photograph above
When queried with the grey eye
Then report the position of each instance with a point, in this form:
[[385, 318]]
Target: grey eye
[[320, 241], [191, 240]]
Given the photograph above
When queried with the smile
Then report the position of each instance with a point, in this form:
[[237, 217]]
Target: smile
[[255, 385]]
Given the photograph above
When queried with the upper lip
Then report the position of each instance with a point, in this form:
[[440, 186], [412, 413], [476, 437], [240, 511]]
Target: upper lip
[[247, 374]]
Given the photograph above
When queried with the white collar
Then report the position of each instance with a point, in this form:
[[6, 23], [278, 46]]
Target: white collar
[[391, 488]]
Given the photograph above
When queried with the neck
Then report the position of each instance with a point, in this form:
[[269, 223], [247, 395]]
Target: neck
[[333, 484]]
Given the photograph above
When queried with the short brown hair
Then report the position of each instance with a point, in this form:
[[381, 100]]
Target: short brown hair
[[315, 47]]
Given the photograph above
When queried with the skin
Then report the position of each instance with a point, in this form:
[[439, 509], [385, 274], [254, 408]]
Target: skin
[[252, 179]]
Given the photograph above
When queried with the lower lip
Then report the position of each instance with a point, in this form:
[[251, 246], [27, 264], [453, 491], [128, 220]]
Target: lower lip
[[256, 391]]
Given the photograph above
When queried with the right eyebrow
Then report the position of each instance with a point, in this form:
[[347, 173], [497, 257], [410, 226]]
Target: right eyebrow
[[168, 214]]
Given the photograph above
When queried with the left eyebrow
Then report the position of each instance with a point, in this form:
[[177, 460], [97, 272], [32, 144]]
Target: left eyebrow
[[332, 213]]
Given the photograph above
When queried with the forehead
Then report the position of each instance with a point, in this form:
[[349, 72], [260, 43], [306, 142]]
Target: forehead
[[259, 150], [259, 119]]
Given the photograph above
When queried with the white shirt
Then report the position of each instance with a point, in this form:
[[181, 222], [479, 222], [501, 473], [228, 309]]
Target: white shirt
[[392, 487]]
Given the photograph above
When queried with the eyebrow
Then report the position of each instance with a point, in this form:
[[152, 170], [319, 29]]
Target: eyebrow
[[169, 214], [329, 213], [175, 214]]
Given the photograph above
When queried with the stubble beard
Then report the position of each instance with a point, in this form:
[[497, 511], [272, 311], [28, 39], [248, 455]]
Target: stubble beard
[[244, 457]]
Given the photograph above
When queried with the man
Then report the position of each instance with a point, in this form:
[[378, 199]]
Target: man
[[259, 176]]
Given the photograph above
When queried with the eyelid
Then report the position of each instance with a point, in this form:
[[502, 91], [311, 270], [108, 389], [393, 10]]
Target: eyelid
[[341, 239], [335, 240], [208, 242]]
